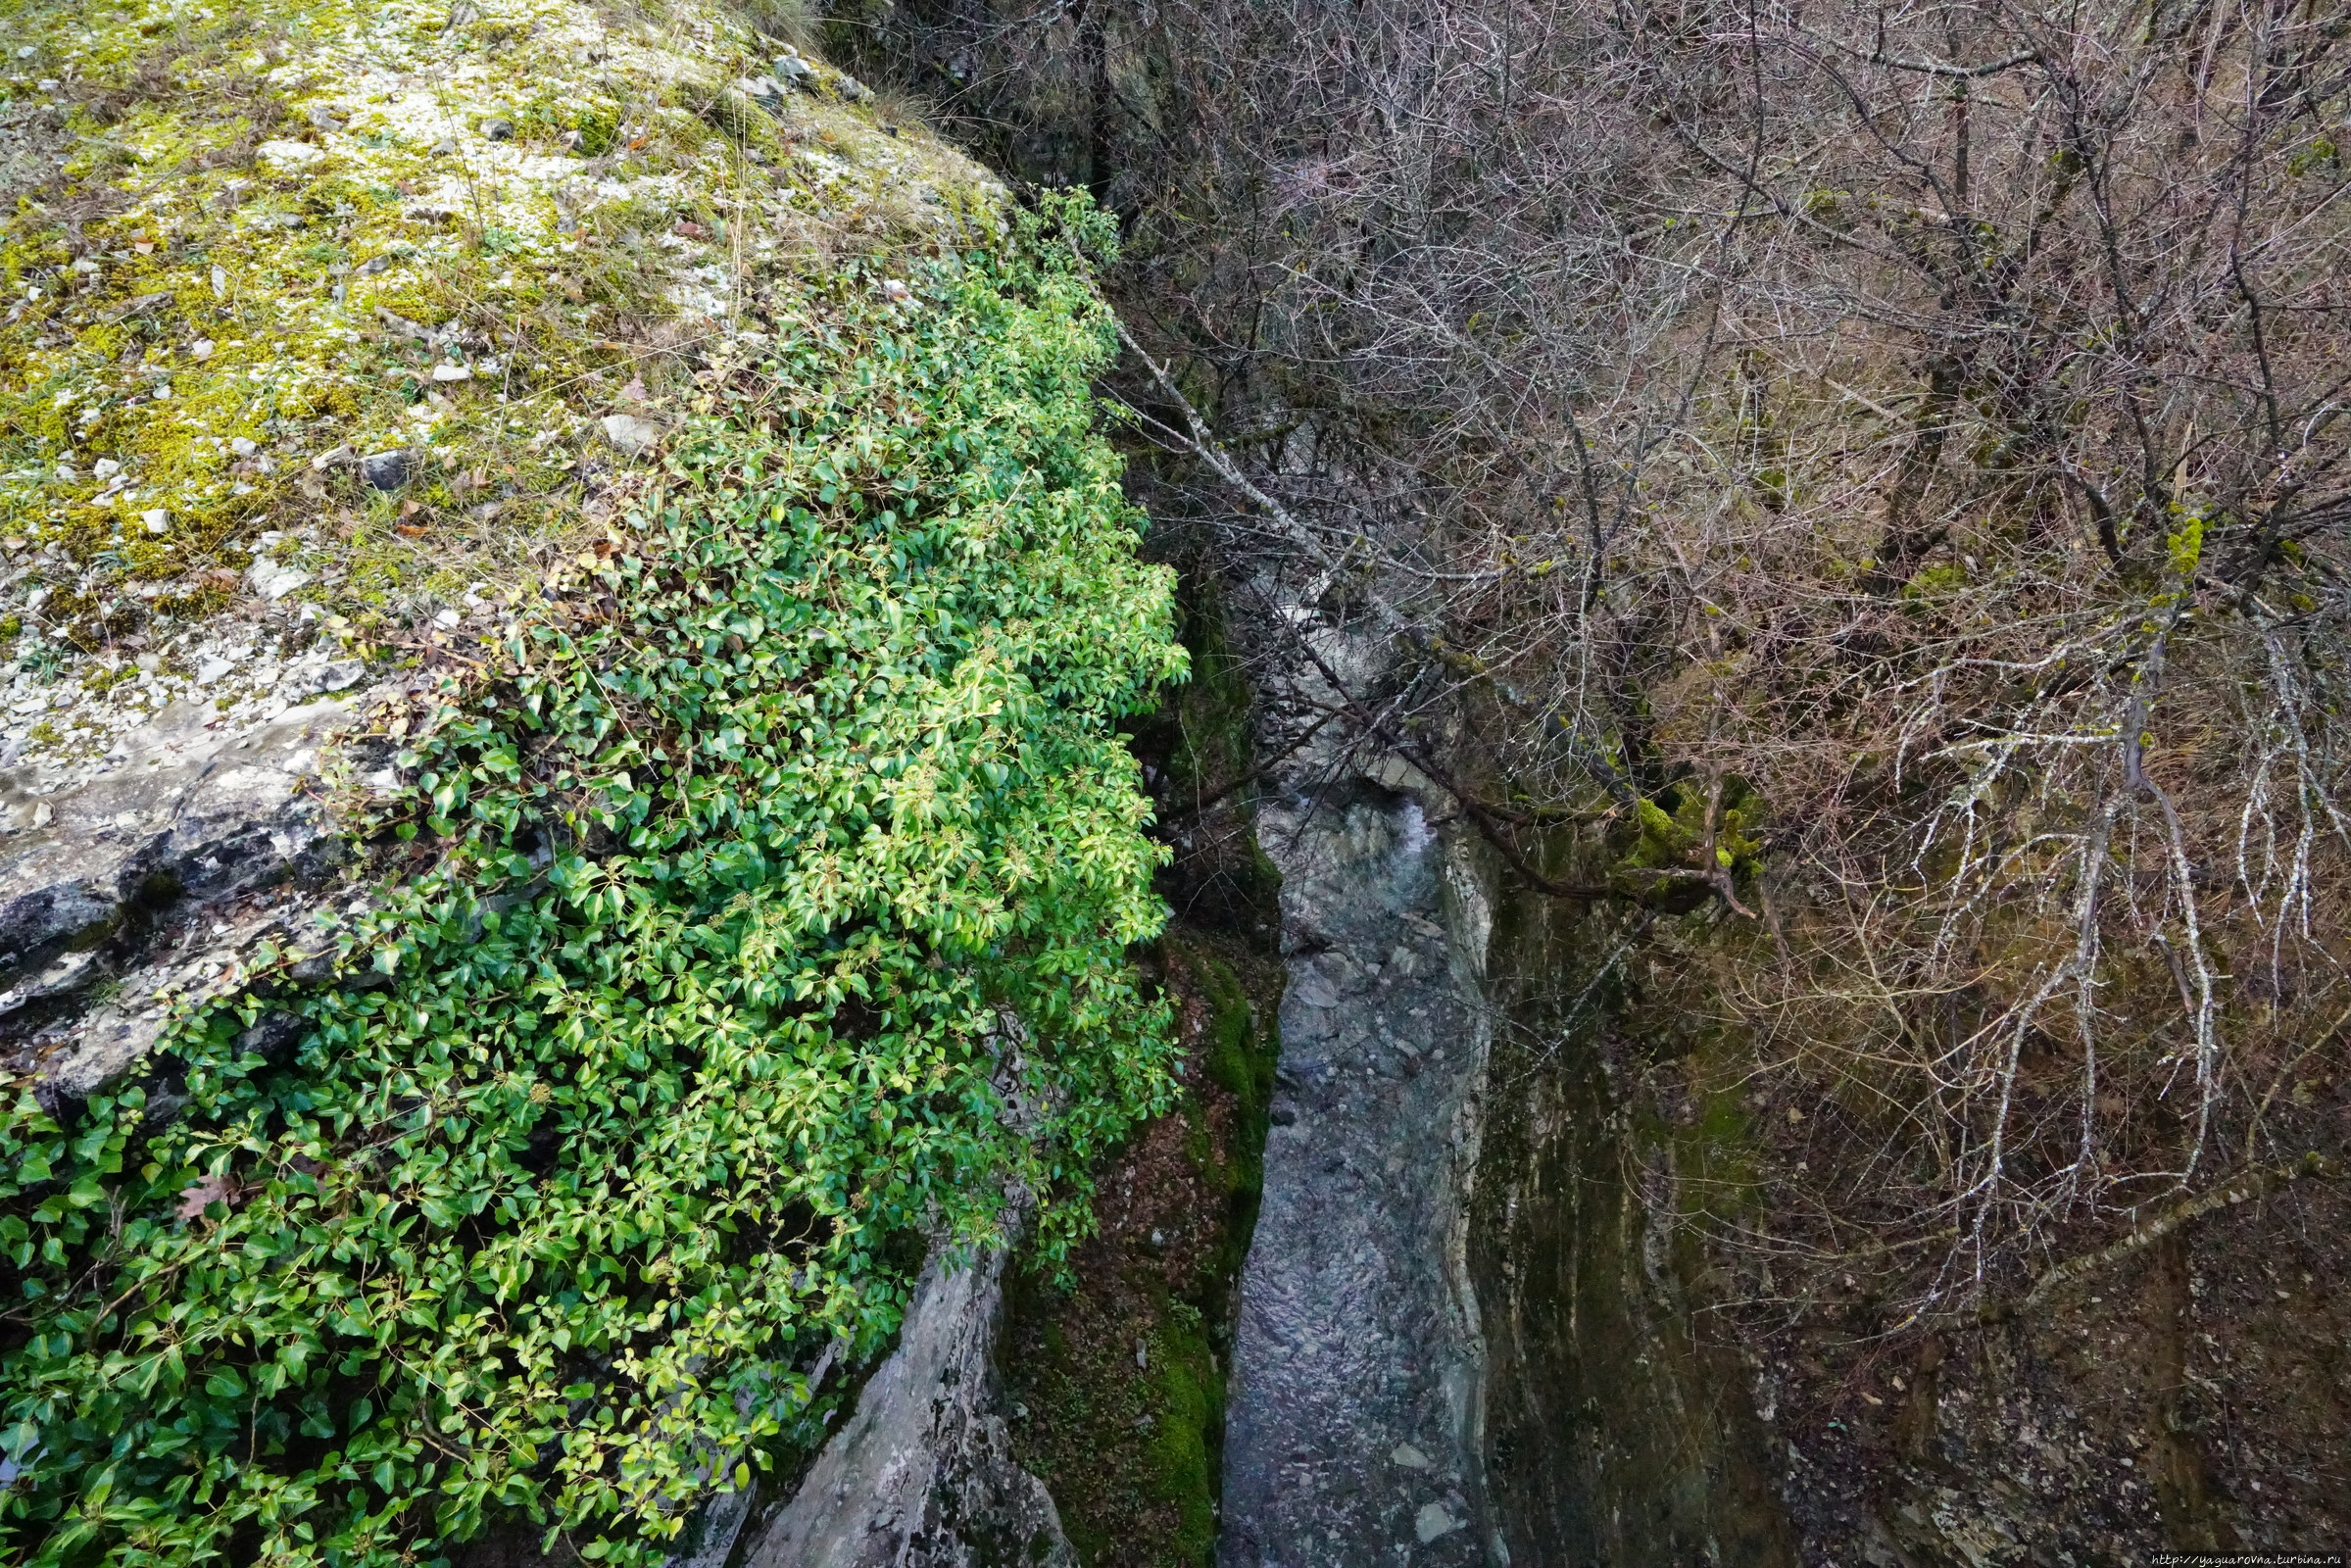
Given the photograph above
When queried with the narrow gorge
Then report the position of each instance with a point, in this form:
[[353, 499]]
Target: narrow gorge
[[1174, 784]]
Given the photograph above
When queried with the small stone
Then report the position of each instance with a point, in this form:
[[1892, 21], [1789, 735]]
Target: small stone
[[631, 434], [447, 619], [1409, 1458], [274, 581], [451, 372], [211, 668], [853, 90], [498, 129], [794, 71], [105, 468], [156, 518], [67, 472], [244, 445], [43, 815], [385, 470], [444, 147], [1433, 1521], [288, 154], [341, 675], [219, 292], [322, 118], [1142, 1355], [149, 662]]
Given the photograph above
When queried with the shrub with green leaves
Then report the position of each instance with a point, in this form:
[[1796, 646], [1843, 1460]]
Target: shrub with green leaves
[[759, 910]]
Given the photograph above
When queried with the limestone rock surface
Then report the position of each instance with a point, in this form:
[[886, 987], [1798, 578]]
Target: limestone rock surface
[[922, 1475], [147, 884]]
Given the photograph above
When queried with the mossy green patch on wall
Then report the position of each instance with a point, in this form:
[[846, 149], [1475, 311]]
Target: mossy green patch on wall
[[1115, 1367], [1242, 1053], [1201, 753], [1207, 724], [1119, 1401], [265, 241]]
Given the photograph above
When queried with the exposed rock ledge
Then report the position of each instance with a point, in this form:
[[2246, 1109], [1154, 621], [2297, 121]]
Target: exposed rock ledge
[[922, 1475], [147, 885]]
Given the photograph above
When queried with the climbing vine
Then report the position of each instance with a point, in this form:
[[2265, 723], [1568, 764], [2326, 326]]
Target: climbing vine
[[756, 907]]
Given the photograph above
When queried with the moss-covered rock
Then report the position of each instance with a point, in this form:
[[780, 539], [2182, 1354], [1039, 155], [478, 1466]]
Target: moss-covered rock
[[502, 247], [748, 888], [1115, 1368]]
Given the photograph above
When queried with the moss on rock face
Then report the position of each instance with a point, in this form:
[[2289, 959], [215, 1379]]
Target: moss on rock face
[[504, 246], [759, 855], [1116, 1370]]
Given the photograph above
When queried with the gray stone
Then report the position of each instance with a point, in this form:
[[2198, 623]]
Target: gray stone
[[498, 129], [274, 581], [794, 71], [159, 876], [61, 976], [922, 1475], [708, 1539], [106, 1044], [632, 434], [271, 1035], [385, 470]]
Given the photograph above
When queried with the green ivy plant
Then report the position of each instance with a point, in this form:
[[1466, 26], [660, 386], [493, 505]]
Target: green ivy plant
[[765, 904]]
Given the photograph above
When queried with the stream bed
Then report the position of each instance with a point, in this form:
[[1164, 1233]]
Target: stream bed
[[1353, 1431], [1465, 1334]]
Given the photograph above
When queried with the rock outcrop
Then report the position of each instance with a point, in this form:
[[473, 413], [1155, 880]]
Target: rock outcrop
[[922, 1475], [1356, 1426], [144, 887]]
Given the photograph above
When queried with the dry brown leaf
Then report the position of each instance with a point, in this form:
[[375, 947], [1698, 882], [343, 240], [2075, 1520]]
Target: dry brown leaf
[[201, 1194]]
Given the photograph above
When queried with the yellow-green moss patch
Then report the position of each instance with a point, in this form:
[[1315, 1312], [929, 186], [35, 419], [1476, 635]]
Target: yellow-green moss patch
[[252, 245]]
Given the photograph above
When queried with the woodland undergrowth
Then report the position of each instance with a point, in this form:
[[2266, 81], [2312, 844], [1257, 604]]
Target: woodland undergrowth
[[755, 909]]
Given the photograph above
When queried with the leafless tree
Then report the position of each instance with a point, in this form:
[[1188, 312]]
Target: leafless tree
[[1876, 471]]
